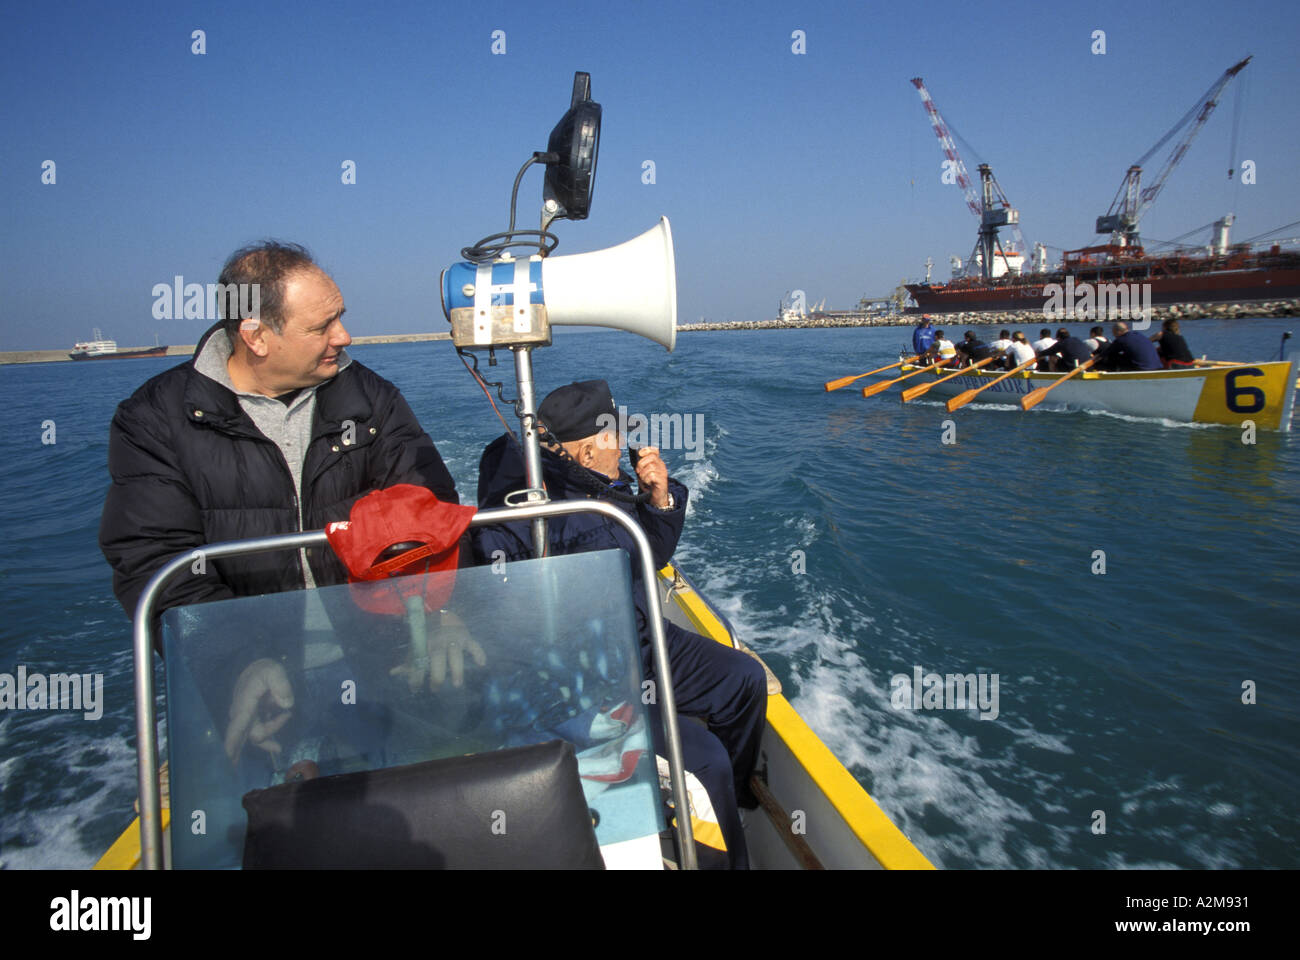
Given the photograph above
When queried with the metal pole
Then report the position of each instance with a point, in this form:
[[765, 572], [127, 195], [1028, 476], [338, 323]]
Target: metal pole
[[529, 438], [151, 847]]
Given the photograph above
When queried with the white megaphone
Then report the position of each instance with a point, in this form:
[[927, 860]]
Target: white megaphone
[[509, 303]]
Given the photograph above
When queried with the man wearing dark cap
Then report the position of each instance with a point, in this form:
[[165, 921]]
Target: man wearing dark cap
[[719, 685], [922, 336]]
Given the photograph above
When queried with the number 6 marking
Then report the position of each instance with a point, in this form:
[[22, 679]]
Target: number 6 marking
[[1234, 394]]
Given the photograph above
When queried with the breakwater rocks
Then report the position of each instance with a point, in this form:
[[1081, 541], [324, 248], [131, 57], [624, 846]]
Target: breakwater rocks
[[1176, 311]]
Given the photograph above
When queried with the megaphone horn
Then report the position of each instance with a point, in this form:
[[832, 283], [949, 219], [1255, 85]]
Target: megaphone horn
[[632, 287], [510, 303]]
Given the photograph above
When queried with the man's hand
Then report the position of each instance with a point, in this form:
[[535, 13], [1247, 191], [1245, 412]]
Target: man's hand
[[263, 688], [652, 474], [447, 647]]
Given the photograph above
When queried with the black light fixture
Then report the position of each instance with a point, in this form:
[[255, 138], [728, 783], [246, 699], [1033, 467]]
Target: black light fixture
[[571, 177]]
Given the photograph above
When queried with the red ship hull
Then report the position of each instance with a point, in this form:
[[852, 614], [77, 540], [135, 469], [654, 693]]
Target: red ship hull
[[1172, 280]]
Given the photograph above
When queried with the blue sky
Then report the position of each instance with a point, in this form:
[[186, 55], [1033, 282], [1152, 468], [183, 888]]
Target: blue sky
[[778, 171]]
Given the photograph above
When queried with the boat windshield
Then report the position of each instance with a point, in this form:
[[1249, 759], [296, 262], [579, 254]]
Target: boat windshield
[[550, 651]]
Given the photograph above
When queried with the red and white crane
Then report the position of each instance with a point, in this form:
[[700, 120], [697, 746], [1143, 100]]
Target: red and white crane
[[990, 205]]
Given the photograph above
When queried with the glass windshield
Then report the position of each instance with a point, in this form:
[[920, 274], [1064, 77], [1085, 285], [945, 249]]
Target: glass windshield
[[309, 683]]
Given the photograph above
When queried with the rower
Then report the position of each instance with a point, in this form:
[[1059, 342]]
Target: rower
[[972, 349], [1042, 344], [1019, 352], [942, 349], [1067, 353], [1128, 351], [1171, 346], [1096, 339]]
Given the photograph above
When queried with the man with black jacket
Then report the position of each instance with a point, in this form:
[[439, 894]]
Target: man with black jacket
[[270, 428], [1067, 352]]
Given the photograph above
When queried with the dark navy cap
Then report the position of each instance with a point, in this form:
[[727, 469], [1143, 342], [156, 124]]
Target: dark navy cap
[[573, 412]]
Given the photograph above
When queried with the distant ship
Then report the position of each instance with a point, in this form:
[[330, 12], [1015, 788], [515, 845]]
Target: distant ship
[[1234, 274], [101, 349]]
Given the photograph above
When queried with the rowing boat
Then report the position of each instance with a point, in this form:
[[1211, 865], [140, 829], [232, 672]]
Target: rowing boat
[[1217, 393]]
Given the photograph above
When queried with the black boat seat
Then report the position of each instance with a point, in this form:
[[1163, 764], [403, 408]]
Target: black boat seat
[[518, 808]]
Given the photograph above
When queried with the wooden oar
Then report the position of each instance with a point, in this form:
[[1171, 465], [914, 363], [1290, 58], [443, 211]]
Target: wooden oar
[[845, 381], [911, 393], [964, 398], [876, 388], [1031, 400]]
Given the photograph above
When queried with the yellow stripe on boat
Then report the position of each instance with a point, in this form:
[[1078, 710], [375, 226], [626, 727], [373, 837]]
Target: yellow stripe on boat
[[124, 854]]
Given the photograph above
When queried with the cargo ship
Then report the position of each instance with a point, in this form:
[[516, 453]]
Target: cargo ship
[[1237, 274], [1116, 271], [101, 349]]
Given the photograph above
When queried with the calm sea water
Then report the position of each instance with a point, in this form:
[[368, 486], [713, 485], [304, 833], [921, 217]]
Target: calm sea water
[[848, 545]]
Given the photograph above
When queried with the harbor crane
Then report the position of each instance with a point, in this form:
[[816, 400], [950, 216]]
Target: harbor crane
[[1133, 200], [990, 205]]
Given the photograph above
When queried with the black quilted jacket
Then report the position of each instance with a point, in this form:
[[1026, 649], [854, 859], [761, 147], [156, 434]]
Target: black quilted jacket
[[189, 467]]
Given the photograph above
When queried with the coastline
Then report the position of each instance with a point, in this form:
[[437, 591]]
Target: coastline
[[1266, 309], [185, 350]]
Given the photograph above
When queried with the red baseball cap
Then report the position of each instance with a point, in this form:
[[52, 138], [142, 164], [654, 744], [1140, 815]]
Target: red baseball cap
[[400, 514]]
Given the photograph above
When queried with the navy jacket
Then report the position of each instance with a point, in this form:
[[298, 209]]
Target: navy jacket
[[922, 337], [1132, 351], [1071, 350], [189, 467], [501, 471]]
